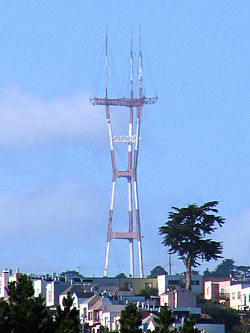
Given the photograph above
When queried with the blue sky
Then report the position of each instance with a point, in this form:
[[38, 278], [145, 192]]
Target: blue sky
[[54, 154]]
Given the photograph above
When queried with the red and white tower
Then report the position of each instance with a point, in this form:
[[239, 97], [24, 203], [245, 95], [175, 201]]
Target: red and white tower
[[134, 105]]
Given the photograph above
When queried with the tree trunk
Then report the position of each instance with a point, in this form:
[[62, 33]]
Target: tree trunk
[[188, 273]]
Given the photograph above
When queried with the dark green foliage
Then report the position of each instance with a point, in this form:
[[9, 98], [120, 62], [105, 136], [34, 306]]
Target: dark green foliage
[[242, 272], [24, 313], [164, 320], [158, 270], [4, 316], [224, 269], [121, 275], [228, 316], [130, 319], [227, 269], [67, 320], [185, 233], [147, 292], [188, 326], [21, 290]]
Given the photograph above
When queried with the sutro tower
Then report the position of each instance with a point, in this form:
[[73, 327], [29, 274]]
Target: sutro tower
[[134, 105]]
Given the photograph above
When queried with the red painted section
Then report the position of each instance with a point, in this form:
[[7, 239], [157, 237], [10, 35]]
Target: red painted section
[[126, 174], [124, 235]]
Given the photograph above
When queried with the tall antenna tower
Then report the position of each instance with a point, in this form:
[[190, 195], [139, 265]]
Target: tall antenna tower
[[134, 106]]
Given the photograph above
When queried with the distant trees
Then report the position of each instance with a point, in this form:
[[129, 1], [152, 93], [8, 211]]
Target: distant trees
[[227, 268], [121, 275], [185, 233], [158, 270]]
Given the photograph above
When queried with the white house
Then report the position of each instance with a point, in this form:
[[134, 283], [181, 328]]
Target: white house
[[5, 278], [78, 293], [39, 286], [240, 296], [108, 314], [86, 305], [53, 290]]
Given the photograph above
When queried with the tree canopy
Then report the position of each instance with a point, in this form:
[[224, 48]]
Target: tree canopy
[[158, 270], [227, 268], [185, 233], [164, 320], [130, 319], [188, 326], [67, 320], [23, 312]]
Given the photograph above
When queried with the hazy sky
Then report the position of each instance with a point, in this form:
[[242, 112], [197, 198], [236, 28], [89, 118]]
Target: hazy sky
[[54, 155]]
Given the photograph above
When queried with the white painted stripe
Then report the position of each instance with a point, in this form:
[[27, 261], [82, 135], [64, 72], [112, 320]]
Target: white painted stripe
[[110, 135], [135, 192], [129, 197], [137, 133], [140, 258], [107, 260], [131, 255], [112, 196]]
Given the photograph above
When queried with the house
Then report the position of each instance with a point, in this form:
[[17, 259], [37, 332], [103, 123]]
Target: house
[[39, 286], [217, 290], [5, 278], [177, 281], [53, 290], [179, 298], [86, 305], [109, 312], [148, 322], [240, 296], [95, 312], [137, 284], [78, 293], [116, 323]]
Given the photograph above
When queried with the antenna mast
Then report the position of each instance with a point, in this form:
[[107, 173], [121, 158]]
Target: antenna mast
[[106, 64], [132, 140]]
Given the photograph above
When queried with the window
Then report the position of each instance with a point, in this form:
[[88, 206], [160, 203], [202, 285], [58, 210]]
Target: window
[[148, 285], [128, 285], [50, 296], [195, 282], [208, 290], [173, 282], [239, 294], [233, 296]]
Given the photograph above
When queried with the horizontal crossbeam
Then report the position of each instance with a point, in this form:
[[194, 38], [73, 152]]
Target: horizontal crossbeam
[[124, 138], [129, 102], [124, 235]]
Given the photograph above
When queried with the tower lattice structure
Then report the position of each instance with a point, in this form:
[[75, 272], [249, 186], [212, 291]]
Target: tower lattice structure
[[134, 105]]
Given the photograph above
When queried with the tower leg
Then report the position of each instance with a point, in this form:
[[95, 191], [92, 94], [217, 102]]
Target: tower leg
[[106, 260], [137, 215], [131, 254], [130, 215], [109, 228]]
